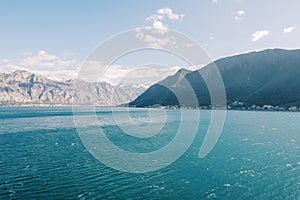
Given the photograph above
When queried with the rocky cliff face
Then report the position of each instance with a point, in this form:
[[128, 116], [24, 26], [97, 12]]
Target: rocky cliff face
[[25, 88]]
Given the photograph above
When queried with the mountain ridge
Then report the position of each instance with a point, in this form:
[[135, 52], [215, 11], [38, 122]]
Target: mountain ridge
[[261, 79], [25, 88]]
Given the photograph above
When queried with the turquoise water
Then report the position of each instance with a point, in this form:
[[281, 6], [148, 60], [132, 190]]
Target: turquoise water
[[42, 157]]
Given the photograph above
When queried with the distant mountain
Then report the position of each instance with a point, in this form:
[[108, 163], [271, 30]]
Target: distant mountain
[[25, 88], [268, 79]]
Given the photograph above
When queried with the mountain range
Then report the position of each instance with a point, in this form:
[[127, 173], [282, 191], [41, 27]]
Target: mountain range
[[268, 79], [25, 88]]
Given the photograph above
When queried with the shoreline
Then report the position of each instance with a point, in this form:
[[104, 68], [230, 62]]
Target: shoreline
[[166, 108]]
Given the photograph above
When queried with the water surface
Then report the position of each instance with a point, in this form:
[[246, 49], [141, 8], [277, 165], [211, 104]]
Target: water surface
[[42, 157]]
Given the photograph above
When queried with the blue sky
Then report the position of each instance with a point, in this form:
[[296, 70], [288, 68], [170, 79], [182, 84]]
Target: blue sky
[[69, 30]]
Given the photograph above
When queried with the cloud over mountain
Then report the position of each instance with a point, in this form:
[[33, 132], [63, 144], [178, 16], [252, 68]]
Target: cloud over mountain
[[259, 35]]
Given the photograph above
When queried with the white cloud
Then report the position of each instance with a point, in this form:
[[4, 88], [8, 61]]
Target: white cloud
[[259, 35], [241, 12], [44, 63], [214, 1], [169, 13], [159, 41], [155, 39], [10, 67], [239, 15], [97, 71], [288, 29], [117, 74], [160, 25], [155, 17], [161, 15], [58, 75]]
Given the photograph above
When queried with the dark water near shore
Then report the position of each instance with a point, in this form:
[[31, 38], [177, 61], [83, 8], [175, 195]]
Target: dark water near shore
[[42, 157]]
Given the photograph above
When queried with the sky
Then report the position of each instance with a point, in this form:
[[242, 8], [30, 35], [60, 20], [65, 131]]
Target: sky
[[55, 37]]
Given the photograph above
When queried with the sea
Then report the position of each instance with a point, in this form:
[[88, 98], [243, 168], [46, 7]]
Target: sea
[[43, 156]]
